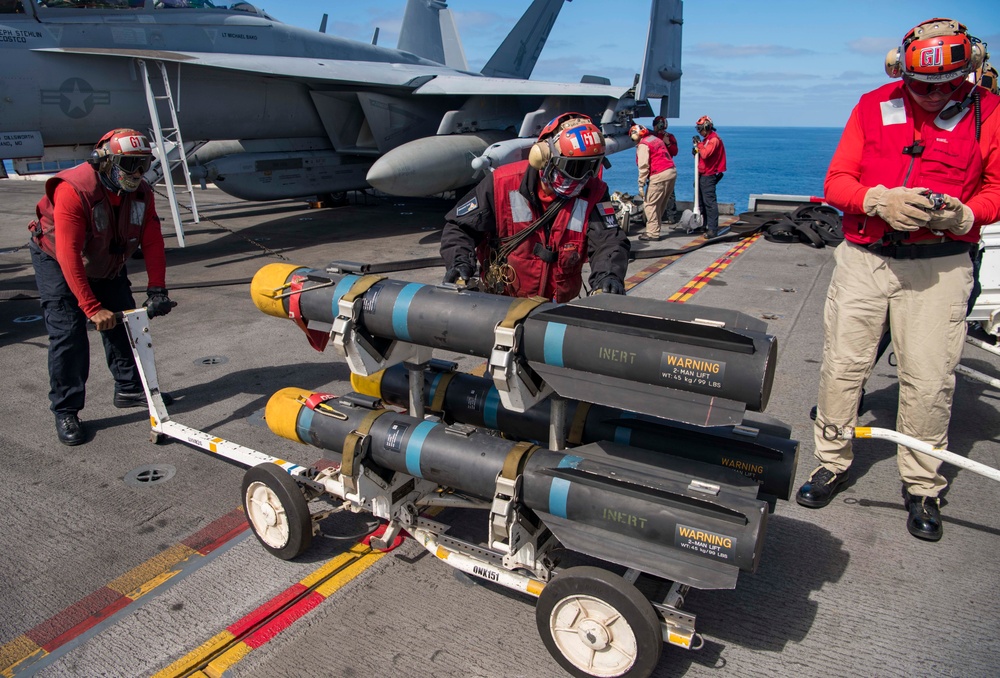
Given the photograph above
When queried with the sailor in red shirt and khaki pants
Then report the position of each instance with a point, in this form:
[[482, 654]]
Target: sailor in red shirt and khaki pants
[[917, 173]]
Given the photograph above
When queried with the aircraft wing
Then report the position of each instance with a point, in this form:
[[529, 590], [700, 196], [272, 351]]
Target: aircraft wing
[[426, 80], [301, 68]]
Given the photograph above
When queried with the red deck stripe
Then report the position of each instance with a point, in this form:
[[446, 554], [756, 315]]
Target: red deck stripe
[[241, 626], [210, 535], [283, 620], [78, 613]]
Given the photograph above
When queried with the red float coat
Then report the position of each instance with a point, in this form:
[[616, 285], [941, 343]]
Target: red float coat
[[871, 153], [567, 236], [97, 231], [711, 155], [659, 156]]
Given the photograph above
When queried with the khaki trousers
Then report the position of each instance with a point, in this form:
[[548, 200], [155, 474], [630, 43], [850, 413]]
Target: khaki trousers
[[660, 187], [925, 302]]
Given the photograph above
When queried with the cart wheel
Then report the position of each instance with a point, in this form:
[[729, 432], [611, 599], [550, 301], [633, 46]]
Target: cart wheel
[[277, 511], [594, 623]]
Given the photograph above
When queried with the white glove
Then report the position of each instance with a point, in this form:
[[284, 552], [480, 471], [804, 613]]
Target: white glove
[[955, 216], [642, 193], [904, 209]]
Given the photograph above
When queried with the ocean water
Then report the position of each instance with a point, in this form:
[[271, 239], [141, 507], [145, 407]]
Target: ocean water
[[789, 160]]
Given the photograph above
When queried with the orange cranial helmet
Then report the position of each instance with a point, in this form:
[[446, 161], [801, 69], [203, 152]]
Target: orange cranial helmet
[[637, 132], [937, 50], [704, 124], [571, 144]]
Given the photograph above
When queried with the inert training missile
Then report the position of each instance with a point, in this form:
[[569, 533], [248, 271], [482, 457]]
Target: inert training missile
[[759, 451], [685, 521], [695, 364]]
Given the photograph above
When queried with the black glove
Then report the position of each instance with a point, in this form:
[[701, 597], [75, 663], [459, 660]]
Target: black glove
[[461, 271], [158, 303], [696, 140], [609, 285]]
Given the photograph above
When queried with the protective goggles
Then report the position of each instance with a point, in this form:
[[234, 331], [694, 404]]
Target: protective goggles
[[132, 163], [921, 88], [578, 168]]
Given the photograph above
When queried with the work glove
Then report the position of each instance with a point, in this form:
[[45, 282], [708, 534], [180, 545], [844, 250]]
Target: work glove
[[955, 216], [460, 273], [904, 209], [609, 284], [157, 302], [642, 193]]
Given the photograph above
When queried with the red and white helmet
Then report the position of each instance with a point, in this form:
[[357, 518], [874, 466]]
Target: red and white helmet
[[937, 50], [123, 156], [570, 144], [704, 124], [638, 132]]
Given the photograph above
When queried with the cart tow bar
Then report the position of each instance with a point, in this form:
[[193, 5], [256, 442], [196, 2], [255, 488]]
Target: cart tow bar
[[831, 432]]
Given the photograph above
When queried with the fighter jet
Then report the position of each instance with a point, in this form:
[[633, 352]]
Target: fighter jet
[[310, 113]]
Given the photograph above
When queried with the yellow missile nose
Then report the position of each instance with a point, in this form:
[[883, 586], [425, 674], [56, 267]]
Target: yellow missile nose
[[369, 386], [282, 412], [269, 282]]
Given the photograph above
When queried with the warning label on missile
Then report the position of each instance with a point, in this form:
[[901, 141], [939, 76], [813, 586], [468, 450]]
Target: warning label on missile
[[705, 543], [394, 439], [685, 370]]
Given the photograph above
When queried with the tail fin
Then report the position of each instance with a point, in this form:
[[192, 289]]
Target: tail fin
[[429, 31], [517, 55], [661, 69]]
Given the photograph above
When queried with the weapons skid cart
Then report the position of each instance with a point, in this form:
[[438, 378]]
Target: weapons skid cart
[[681, 503]]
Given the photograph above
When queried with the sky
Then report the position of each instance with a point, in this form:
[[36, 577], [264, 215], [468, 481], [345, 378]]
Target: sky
[[769, 63]]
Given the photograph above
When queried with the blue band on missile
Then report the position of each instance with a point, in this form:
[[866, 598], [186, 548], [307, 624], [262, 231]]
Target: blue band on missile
[[491, 407], [552, 345], [559, 490], [623, 434], [401, 308], [432, 391], [414, 446], [342, 288], [303, 424]]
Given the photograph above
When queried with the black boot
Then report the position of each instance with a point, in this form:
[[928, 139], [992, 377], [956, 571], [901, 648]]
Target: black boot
[[125, 399], [924, 521], [820, 488], [69, 429]]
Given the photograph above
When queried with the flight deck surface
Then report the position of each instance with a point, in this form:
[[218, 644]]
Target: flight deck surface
[[108, 575]]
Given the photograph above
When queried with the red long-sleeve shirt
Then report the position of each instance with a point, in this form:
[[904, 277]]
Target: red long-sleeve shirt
[[843, 190], [71, 235]]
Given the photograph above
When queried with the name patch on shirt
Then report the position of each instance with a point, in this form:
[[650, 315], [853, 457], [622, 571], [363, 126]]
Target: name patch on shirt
[[893, 112], [467, 207], [607, 210]]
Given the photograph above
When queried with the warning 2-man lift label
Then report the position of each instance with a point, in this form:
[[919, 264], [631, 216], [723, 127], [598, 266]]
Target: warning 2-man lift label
[[705, 543]]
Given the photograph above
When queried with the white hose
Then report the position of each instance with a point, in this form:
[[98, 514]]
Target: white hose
[[919, 446], [977, 376]]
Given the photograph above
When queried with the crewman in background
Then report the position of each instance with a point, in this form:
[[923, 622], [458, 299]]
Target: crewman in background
[[657, 175], [531, 225], [660, 131], [916, 173], [92, 219], [711, 166]]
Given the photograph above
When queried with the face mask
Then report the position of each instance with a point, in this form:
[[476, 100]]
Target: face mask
[[563, 185], [127, 182]]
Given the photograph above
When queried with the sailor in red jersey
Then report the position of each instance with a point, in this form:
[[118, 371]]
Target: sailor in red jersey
[[711, 166], [659, 130], [533, 224], [92, 218], [657, 175], [916, 173]]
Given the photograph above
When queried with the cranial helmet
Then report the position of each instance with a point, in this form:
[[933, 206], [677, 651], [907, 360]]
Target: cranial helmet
[[659, 124], [122, 156], [704, 124], [937, 50], [986, 77], [570, 144], [637, 132]]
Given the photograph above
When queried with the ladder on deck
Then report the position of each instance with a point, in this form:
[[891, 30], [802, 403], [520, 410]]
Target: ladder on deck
[[171, 135]]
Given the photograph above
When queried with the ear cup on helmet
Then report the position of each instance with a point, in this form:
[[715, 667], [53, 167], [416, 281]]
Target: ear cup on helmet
[[99, 159], [539, 155], [893, 63], [977, 57]]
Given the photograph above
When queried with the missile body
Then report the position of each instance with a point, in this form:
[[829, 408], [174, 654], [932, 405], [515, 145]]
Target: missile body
[[764, 452], [682, 362], [432, 165], [682, 520]]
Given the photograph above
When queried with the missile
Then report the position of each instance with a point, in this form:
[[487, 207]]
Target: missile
[[759, 450], [687, 522], [431, 165], [283, 175], [512, 150], [695, 364]]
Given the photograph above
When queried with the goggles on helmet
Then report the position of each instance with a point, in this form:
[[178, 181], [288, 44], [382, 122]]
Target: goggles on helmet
[[921, 88], [132, 163], [577, 168]]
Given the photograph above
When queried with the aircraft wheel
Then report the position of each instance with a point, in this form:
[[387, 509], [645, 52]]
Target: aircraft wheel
[[277, 511], [594, 623]]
